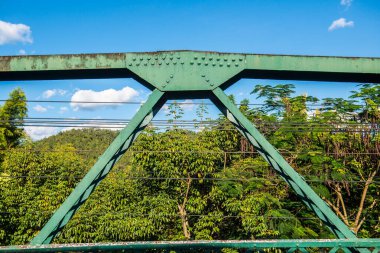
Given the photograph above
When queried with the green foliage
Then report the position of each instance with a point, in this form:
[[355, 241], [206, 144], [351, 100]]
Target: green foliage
[[175, 111], [341, 164], [12, 114], [369, 95], [33, 185], [179, 161]]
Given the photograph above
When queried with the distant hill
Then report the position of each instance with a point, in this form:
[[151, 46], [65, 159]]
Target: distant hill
[[89, 143]]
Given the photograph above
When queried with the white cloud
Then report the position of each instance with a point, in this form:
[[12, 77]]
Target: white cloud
[[54, 92], [43, 131], [110, 95], [186, 105], [63, 109], [21, 52], [346, 3], [90, 124], [11, 33], [40, 132], [340, 23], [40, 108]]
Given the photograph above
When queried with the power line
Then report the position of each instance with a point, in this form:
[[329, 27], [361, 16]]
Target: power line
[[213, 124], [134, 215], [193, 178], [337, 130], [312, 152], [189, 122], [195, 126], [142, 102]]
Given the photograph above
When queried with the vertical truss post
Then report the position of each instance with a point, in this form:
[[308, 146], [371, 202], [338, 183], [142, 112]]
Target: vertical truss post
[[281, 166], [100, 170]]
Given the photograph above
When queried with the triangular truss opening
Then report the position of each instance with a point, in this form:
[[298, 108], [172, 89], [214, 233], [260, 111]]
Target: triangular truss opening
[[146, 113]]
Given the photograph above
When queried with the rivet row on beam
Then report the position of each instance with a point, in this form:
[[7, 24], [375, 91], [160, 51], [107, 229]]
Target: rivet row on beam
[[172, 58], [207, 80], [203, 58], [198, 63], [168, 80], [156, 58]]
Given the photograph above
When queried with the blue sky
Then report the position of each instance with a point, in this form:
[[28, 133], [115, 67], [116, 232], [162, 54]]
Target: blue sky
[[329, 27]]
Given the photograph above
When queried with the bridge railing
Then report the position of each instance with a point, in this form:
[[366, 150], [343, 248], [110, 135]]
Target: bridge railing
[[321, 245]]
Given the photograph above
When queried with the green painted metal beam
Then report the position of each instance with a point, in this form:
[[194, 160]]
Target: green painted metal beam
[[100, 170], [189, 70], [196, 245]]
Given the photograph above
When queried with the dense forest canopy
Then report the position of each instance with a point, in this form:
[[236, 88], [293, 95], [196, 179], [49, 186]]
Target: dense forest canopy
[[206, 184]]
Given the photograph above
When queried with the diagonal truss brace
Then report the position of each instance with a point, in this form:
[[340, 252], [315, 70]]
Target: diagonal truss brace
[[126, 137], [100, 170]]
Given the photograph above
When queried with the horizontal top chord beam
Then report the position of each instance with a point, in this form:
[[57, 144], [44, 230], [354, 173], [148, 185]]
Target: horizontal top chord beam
[[189, 70]]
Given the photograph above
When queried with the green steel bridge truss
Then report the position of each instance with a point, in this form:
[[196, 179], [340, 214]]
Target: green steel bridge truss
[[195, 75]]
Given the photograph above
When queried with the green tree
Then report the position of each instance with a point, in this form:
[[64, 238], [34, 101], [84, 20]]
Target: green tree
[[175, 112], [369, 96], [181, 161], [12, 114], [33, 185], [331, 149]]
